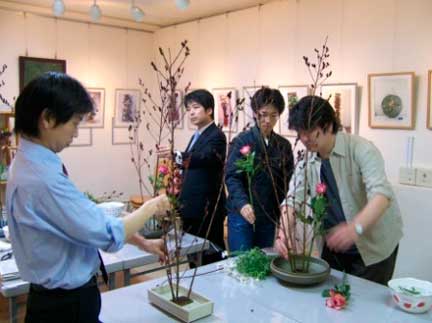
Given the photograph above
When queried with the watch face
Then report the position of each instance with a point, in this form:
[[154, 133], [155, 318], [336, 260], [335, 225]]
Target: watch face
[[359, 229]]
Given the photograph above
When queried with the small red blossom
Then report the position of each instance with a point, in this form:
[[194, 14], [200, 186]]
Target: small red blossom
[[338, 297], [163, 169], [336, 301], [245, 150], [321, 188]]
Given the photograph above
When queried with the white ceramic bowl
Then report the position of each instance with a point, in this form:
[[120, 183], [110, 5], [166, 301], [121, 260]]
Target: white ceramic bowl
[[412, 295], [112, 208]]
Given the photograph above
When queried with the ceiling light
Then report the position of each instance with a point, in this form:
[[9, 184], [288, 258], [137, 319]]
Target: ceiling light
[[58, 8], [137, 14], [95, 12], [182, 4]]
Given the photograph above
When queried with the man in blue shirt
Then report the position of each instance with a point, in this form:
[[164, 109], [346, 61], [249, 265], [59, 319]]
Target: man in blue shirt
[[55, 230]]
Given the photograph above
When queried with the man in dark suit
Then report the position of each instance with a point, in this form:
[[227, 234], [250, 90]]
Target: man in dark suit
[[202, 199]]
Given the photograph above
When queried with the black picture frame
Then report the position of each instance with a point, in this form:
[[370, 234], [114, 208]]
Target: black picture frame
[[32, 67]]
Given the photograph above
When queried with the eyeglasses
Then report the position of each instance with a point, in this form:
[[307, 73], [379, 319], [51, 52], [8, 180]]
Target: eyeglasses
[[6, 256], [273, 116]]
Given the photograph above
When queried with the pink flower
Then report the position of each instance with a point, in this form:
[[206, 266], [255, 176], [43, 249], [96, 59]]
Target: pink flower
[[321, 188], [173, 190], [163, 169], [336, 301], [245, 150]]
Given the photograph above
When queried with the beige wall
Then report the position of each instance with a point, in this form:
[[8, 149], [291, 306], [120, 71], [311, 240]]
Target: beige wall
[[98, 56], [265, 46]]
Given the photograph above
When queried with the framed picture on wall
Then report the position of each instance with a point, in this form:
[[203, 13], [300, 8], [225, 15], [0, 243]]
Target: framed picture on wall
[[96, 119], [121, 135], [291, 94], [84, 139], [429, 100], [127, 102], [32, 67], [391, 100], [248, 117], [177, 115], [226, 116], [343, 98]]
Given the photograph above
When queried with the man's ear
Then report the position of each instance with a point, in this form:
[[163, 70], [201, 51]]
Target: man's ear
[[46, 120]]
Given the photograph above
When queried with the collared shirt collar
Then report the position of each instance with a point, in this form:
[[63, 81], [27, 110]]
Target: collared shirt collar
[[39, 154], [338, 149], [205, 127]]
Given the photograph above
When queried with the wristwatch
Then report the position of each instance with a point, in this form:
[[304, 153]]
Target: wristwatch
[[358, 228]]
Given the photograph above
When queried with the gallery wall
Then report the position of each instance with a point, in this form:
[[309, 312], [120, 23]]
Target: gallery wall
[[262, 45], [265, 45], [99, 57]]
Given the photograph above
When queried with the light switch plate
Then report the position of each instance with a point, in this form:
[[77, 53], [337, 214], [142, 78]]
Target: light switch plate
[[407, 176], [424, 177]]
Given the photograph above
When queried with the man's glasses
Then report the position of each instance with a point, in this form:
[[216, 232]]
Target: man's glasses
[[6, 256]]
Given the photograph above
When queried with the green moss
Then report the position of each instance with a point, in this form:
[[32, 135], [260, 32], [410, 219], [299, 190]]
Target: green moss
[[254, 263]]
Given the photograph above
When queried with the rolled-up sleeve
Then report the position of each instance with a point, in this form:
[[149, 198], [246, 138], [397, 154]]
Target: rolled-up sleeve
[[372, 168]]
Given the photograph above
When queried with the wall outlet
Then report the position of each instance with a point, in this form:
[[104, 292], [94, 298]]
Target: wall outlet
[[407, 176], [424, 177]]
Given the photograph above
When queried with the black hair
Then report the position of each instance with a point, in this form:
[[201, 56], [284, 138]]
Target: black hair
[[202, 97], [265, 96], [312, 112], [61, 95]]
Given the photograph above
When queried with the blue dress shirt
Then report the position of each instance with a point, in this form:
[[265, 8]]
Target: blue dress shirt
[[55, 229]]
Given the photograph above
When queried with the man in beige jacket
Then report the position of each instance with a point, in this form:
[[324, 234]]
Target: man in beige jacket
[[363, 223]]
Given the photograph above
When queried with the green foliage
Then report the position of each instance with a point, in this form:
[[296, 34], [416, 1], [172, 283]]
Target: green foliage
[[157, 182], [409, 291], [91, 197], [246, 165], [254, 263]]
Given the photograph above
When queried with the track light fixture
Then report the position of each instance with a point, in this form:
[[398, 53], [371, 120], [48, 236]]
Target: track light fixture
[[137, 13], [95, 12], [182, 4], [58, 8]]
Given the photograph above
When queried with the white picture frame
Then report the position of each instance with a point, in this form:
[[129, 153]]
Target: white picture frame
[[96, 119], [248, 116], [225, 114], [291, 95], [343, 98], [127, 105]]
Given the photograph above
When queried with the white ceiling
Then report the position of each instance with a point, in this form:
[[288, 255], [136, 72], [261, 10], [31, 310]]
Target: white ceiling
[[158, 13]]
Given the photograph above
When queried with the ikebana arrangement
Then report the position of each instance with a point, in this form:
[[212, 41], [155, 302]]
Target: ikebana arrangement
[[157, 118]]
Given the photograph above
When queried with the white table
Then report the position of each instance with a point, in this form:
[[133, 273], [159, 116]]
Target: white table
[[265, 301], [123, 260]]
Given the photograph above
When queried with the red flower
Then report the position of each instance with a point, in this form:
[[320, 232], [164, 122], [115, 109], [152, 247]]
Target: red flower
[[321, 188], [163, 169], [245, 150], [336, 301]]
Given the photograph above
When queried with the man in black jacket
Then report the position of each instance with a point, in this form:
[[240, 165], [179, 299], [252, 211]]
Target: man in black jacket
[[202, 200], [252, 223]]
